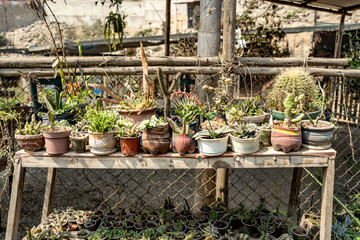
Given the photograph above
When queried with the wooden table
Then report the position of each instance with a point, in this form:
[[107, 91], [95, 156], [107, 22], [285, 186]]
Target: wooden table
[[265, 158]]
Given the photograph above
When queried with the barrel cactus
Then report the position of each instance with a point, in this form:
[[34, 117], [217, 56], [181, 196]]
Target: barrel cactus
[[296, 81]]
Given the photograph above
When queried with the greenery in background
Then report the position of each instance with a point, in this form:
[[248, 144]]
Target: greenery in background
[[263, 32], [102, 121], [137, 101], [244, 108], [114, 26], [6, 103], [3, 40]]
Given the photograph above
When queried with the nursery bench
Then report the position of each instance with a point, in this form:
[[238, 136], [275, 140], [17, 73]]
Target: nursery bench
[[265, 158]]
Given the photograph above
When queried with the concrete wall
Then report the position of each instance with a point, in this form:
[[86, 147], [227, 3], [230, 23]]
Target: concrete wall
[[13, 14]]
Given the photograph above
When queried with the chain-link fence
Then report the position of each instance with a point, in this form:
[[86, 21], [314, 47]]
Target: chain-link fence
[[142, 189]]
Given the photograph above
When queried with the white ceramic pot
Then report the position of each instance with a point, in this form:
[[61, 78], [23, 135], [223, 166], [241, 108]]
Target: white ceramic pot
[[102, 143], [245, 146], [213, 147]]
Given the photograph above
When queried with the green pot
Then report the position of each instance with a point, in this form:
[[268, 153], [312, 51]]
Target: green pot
[[277, 115]]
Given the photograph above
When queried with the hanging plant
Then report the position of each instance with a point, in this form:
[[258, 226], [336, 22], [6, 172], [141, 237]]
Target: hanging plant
[[114, 24]]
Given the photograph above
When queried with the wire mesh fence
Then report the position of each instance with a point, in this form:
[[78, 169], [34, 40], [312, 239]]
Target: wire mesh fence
[[143, 189]]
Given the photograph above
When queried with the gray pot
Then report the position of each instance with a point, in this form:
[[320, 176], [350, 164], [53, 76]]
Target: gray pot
[[102, 143], [245, 146], [317, 137]]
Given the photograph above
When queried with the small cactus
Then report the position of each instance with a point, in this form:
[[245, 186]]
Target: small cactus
[[298, 82], [32, 128], [293, 105]]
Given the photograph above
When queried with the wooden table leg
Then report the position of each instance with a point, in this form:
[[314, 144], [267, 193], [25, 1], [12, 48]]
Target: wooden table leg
[[222, 185], [49, 191], [327, 198], [15, 201], [294, 192]]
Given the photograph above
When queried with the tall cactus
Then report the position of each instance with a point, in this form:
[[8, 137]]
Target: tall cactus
[[293, 105], [167, 91]]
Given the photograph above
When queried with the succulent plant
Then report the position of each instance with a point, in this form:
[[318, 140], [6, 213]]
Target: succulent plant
[[32, 128], [298, 82], [245, 131]]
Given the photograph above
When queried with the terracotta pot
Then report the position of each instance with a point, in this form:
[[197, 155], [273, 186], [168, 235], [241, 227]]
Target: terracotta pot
[[286, 139], [182, 143], [57, 142], [31, 143], [102, 143], [134, 114], [319, 137], [79, 142], [130, 145], [156, 140]]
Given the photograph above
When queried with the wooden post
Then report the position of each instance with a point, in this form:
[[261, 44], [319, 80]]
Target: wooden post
[[327, 198], [222, 185], [15, 201], [167, 28], [229, 29], [208, 45], [294, 192], [49, 192]]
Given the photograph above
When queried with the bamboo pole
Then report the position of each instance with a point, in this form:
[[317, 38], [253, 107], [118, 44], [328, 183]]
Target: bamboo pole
[[48, 72], [229, 29], [42, 62]]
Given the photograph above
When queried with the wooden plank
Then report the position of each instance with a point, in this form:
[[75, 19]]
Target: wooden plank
[[204, 188], [327, 201], [104, 71], [294, 192], [15, 201], [42, 62], [49, 192], [222, 185]]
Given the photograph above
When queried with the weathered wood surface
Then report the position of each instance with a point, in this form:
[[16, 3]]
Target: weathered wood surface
[[327, 199], [229, 29], [15, 203], [46, 62], [266, 158], [49, 192], [294, 192], [105, 71]]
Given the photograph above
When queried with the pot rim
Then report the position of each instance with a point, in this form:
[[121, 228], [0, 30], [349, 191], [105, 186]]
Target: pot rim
[[166, 124], [105, 133], [132, 110], [214, 140], [66, 129], [276, 111], [82, 137], [25, 137], [257, 116], [291, 129], [245, 139], [128, 138], [300, 235], [312, 128]]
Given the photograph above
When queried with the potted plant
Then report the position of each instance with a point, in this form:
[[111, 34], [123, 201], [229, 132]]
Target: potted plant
[[195, 234], [57, 139], [30, 138], [299, 233], [213, 142], [138, 106], [298, 82], [246, 111], [265, 134], [129, 137], [79, 136], [287, 135], [155, 136], [317, 134], [245, 139], [179, 226], [101, 131], [188, 108]]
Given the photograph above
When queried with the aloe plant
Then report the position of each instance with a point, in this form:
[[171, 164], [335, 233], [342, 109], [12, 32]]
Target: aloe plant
[[213, 133], [245, 131]]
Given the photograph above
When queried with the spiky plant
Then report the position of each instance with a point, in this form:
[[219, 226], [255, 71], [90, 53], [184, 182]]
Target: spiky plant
[[298, 82], [32, 128]]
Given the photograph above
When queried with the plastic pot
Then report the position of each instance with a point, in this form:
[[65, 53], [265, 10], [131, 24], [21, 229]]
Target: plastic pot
[[155, 140], [57, 142], [182, 143], [213, 147], [79, 142], [319, 137], [245, 146], [130, 145], [277, 115], [254, 119], [286, 139], [31, 143], [102, 143]]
